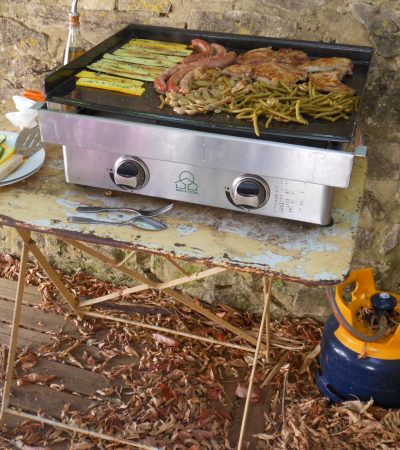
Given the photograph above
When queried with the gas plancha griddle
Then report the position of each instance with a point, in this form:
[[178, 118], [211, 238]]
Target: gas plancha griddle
[[121, 142]]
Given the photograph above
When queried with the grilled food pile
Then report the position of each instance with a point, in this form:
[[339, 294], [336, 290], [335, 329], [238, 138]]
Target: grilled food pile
[[262, 84], [256, 100], [283, 85]]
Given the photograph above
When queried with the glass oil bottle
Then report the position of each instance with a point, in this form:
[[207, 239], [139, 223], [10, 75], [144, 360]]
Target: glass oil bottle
[[74, 47]]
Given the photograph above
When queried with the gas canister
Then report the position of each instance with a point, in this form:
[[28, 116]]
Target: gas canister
[[360, 348]]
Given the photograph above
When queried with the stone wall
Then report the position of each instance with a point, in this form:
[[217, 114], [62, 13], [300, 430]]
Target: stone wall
[[32, 36]]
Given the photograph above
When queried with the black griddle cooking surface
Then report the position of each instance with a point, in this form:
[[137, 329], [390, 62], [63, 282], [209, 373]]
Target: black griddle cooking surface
[[60, 87]]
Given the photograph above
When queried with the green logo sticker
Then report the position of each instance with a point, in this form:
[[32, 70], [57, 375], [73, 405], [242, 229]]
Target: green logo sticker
[[186, 183]]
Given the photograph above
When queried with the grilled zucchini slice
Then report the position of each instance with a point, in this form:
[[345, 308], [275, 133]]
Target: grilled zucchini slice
[[110, 78], [110, 86]]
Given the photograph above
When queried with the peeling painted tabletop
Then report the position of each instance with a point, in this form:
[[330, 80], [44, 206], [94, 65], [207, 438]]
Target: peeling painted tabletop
[[310, 254]]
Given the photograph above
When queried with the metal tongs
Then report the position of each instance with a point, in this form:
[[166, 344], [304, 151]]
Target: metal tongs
[[141, 219]]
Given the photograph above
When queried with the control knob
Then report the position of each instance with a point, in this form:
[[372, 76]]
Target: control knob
[[249, 191], [130, 173]]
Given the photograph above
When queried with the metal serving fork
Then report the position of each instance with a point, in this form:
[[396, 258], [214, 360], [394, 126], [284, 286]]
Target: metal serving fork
[[140, 212], [146, 223]]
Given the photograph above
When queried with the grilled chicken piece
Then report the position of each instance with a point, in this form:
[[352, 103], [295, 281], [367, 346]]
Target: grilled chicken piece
[[283, 55], [291, 56], [270, 65], [272, 72], [255, 56], [343, 65], [330, 82], [275, 72], [240, 70]]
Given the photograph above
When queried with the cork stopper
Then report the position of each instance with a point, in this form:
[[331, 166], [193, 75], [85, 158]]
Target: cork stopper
[[74, 19]]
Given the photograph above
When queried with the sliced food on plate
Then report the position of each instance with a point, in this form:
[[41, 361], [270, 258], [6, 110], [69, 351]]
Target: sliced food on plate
[[20, 156], [8, 160], [5, 150], [7, 167]]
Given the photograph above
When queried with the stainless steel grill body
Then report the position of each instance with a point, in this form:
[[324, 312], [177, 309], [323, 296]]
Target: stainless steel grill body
[[122, 142], [295, 181]]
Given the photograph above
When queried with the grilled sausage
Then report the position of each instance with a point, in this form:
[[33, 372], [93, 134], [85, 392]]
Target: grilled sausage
[[208, 63], [160, 83], [204, 50]]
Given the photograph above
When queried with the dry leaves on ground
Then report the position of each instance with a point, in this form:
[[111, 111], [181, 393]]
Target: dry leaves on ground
[[172, 394]]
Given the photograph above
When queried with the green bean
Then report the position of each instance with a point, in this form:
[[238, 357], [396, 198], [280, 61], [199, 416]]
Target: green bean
[[244, 116], [202, 83], [163, 102], [255, 123], [286, 109], [290, 97], [235, 111], [268, 122], [226, 83], [333, 119], [297, 109], [326, 113], [279, 114], [313, 91], [268, 87], [308, 109], [288, 88]]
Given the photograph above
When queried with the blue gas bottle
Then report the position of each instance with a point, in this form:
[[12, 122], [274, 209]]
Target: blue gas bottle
[[360, 348]]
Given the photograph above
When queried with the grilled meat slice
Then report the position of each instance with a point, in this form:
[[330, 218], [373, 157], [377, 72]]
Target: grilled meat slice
[[270, 65], [283, 55], [291, 56], [275, 72], [255, 56], [330, 82], [240, 70], [270, 71], [344, 65]]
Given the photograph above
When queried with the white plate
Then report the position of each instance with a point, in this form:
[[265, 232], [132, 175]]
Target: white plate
[[28, 167]]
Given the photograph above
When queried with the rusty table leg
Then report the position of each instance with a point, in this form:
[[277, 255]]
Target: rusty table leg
[[267, 286], [41, 259], [14, 331], [267, 295]]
